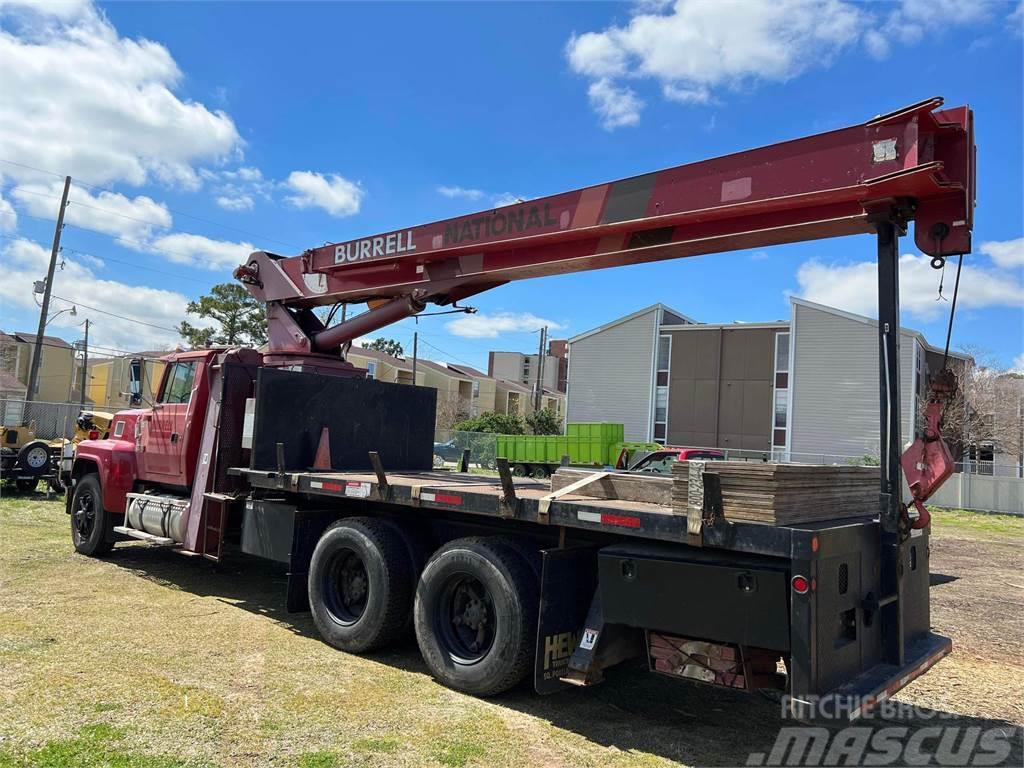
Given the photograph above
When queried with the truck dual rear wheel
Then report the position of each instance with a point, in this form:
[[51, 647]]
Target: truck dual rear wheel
[[91, 525], [475, 616], [360, 584]]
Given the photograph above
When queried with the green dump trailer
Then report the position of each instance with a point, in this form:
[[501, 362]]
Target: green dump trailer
[[585, 444]]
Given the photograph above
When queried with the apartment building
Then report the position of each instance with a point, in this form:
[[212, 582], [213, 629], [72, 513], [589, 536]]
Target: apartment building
[[517, 366], [804, 388], [108, 387], [59, 371]]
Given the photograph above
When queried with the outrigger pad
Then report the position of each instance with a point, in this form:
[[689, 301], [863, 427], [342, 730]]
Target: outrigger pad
[[362, 415]]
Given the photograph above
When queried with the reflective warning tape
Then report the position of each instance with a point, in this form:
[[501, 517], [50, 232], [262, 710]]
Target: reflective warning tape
[[325, 486], [441, 498], [605, 518]]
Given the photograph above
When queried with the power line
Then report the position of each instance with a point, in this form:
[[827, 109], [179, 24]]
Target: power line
[[171, 210], [113, 314], [137, 266], [120, 238]]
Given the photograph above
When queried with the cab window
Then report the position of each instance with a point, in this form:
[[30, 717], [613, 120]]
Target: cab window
[[178, 383]]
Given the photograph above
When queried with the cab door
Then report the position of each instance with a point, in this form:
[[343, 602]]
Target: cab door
[[165, 428]]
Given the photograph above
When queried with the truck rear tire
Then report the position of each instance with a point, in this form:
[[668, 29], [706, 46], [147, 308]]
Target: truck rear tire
[[476, 616], [91, 525], [360, 585]]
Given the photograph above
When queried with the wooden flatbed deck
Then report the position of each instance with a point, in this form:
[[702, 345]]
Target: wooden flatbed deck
[[483, 496]]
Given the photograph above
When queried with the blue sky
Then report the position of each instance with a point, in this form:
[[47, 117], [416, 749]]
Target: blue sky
[[283, 126]]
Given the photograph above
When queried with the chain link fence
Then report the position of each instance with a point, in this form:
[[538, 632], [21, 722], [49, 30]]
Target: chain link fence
[[51, 420]]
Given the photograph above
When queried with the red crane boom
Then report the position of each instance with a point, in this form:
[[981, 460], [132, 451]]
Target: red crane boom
[[918, 161]]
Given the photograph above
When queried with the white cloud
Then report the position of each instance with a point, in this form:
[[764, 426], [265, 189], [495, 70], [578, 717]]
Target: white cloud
[[199, 251], [80, 99], [481, 326], [24, 261], [1018, 363], [1008, 254], [694, 49], [238, 189], [615, 105], [109, 212], [454, 192], [854, 286], [912, 19], [335, 194], [8, 216], [699, 46], [241, 202]]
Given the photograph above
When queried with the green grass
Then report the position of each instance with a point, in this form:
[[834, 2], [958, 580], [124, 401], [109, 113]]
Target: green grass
[[954, 522], [94, 746]]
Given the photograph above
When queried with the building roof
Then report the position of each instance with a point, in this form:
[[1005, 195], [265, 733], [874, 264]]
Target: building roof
[[384, 357], [473, 373], [10, 383], [30, 338], [872, 322], [627, 318], [446, 370]]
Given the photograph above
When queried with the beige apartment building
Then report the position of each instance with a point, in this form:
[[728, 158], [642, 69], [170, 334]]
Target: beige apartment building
[[59, 370], [462, 391]]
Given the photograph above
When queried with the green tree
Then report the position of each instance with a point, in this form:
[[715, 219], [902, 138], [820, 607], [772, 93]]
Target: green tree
[[239, 318], [387, 346], [544, 422], [496, 423]]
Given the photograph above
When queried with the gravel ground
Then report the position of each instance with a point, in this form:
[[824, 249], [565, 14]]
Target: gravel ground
[[147, 658]]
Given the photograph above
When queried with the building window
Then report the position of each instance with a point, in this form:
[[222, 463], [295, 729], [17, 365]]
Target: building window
[[371, 370], [476, 389], [660, 425], [780, 417]]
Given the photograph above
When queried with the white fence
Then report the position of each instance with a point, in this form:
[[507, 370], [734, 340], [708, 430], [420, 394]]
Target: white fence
[[52, 420], [981, 492]]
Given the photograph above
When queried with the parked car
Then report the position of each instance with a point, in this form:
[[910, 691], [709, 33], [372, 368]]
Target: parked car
[[447, 451], [660, 462]]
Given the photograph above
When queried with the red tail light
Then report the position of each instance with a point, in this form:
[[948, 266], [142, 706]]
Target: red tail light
[[94, 434], [801, 585]]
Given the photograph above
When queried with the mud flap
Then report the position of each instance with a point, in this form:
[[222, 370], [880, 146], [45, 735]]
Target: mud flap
[[568, 580], [309, 527]]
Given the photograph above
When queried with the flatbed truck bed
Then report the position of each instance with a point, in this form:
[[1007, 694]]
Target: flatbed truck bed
[[735, 581]]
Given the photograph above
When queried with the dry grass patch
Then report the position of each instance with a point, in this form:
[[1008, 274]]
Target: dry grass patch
[[147, 659]]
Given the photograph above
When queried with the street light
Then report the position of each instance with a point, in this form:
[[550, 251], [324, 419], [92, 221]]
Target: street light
[[72, 309]]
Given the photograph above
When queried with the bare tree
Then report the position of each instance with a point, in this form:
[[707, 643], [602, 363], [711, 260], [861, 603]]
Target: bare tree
[[451, 409], [984, 417]]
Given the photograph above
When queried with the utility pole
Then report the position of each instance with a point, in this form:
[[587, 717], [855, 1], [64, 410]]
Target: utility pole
[[415, 351], [539, 394], [85, 361], [33, 375]]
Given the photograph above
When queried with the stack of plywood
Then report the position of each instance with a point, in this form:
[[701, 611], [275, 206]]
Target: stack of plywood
[[785, 494]]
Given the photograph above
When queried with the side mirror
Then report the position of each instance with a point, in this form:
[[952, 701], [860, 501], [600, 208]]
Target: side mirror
[[135, 373]]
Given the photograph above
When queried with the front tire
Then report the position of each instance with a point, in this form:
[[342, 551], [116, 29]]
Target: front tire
[[475, 616], [91, 525], [360, 584]]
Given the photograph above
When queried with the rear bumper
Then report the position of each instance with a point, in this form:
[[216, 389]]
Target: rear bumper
[[859, 697]]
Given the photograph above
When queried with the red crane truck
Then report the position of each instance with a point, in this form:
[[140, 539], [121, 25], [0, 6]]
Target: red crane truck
[[292, 454]]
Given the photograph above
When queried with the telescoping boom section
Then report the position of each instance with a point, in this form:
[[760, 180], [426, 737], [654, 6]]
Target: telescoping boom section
[[918, 161]]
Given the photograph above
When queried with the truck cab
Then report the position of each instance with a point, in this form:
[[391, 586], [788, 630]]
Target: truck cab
[[154, 447]]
